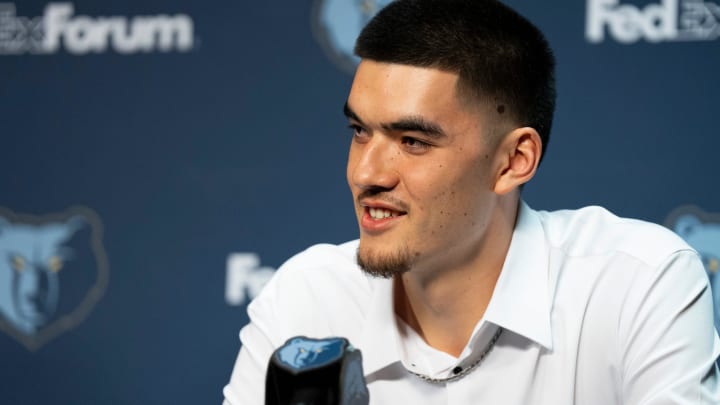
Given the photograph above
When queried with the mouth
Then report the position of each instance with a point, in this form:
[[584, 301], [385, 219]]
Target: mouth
[[377, 218], [380, 213]]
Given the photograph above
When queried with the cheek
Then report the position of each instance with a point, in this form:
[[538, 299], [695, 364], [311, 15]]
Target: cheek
[[347, 176], [350, 167], [454, 198], [442, 195]]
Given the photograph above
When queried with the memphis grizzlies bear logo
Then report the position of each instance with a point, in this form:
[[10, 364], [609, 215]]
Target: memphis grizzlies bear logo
[[301, 353], [53, 270], [702, 231], [337, 24]]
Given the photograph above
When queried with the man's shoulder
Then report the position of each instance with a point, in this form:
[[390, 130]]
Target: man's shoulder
[[319, 274], [595, 231], [323, 256], [320, 268], [317, 292]]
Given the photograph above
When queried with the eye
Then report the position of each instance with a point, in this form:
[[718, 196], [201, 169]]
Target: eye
[[18, 263], [55, 264], [359, 133], [415, 145]]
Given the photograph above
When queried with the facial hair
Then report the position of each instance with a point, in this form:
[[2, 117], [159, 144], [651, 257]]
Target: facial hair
[[384, 265]]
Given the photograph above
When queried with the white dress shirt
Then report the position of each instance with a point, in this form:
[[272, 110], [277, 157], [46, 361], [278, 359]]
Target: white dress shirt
[[595, 309]]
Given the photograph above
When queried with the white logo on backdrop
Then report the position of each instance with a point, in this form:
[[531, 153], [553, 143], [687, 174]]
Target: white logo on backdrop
[[245, 278], [58, 28], [670, 20]]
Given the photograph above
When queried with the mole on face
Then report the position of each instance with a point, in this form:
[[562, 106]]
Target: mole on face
[[500, 109]]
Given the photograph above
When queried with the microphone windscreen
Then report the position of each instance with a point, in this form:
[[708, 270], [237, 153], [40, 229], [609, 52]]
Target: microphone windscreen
[[306, 371]]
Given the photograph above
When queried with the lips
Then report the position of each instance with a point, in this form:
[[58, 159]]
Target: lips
[[379, 216]]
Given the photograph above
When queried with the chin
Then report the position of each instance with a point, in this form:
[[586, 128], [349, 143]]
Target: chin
[[386, 263]]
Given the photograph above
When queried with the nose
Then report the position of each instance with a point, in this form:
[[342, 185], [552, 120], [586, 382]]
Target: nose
[[374, 164]]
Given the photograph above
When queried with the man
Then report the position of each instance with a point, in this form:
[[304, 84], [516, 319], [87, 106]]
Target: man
[[466, 295]]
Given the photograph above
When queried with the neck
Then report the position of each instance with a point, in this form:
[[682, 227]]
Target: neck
[[444, 303]]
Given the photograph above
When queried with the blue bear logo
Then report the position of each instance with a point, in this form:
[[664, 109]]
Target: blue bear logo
[[41, 262], [301, 353], [702, 231], [337, 24]]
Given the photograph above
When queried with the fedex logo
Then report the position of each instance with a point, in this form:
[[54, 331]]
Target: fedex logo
[[245, 278], [59, 28], [669, 20]]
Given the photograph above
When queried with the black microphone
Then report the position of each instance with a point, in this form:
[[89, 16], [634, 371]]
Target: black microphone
[[306, 371]]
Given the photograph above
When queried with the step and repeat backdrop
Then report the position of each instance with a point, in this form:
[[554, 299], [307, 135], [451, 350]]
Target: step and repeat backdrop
[[159, 159]]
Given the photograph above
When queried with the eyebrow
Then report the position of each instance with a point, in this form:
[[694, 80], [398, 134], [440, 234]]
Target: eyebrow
[[350, 114], [406, 124]]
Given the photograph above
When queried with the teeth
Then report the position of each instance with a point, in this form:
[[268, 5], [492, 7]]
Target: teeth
[[380, 213]]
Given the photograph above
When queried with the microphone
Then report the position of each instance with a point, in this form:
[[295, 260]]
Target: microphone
[[306, 371]]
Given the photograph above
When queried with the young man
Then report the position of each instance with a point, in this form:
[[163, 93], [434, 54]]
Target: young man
[[457, 292]]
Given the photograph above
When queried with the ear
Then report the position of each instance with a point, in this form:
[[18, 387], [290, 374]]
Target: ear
[[518, 157]]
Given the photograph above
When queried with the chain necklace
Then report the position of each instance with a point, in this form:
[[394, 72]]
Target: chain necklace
[[467, 370]]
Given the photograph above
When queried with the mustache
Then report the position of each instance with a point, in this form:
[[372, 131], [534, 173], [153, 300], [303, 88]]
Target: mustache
[[382, 195]]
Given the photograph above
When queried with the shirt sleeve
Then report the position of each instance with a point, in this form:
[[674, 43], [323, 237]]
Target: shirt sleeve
[[258, 340], [670, 345]]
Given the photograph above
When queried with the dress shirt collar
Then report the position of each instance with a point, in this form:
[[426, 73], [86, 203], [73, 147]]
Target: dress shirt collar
[[520, 302]]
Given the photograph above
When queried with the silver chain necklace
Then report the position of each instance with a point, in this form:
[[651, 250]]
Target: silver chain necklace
[[468, 369]]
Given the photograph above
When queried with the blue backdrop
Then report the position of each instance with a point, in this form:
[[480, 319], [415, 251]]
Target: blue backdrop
[[159, 158]]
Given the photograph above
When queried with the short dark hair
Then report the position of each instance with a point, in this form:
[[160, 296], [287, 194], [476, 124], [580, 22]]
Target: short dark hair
[[500, 57]]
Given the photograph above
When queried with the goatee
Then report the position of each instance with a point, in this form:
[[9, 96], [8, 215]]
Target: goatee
[[385, 265]]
